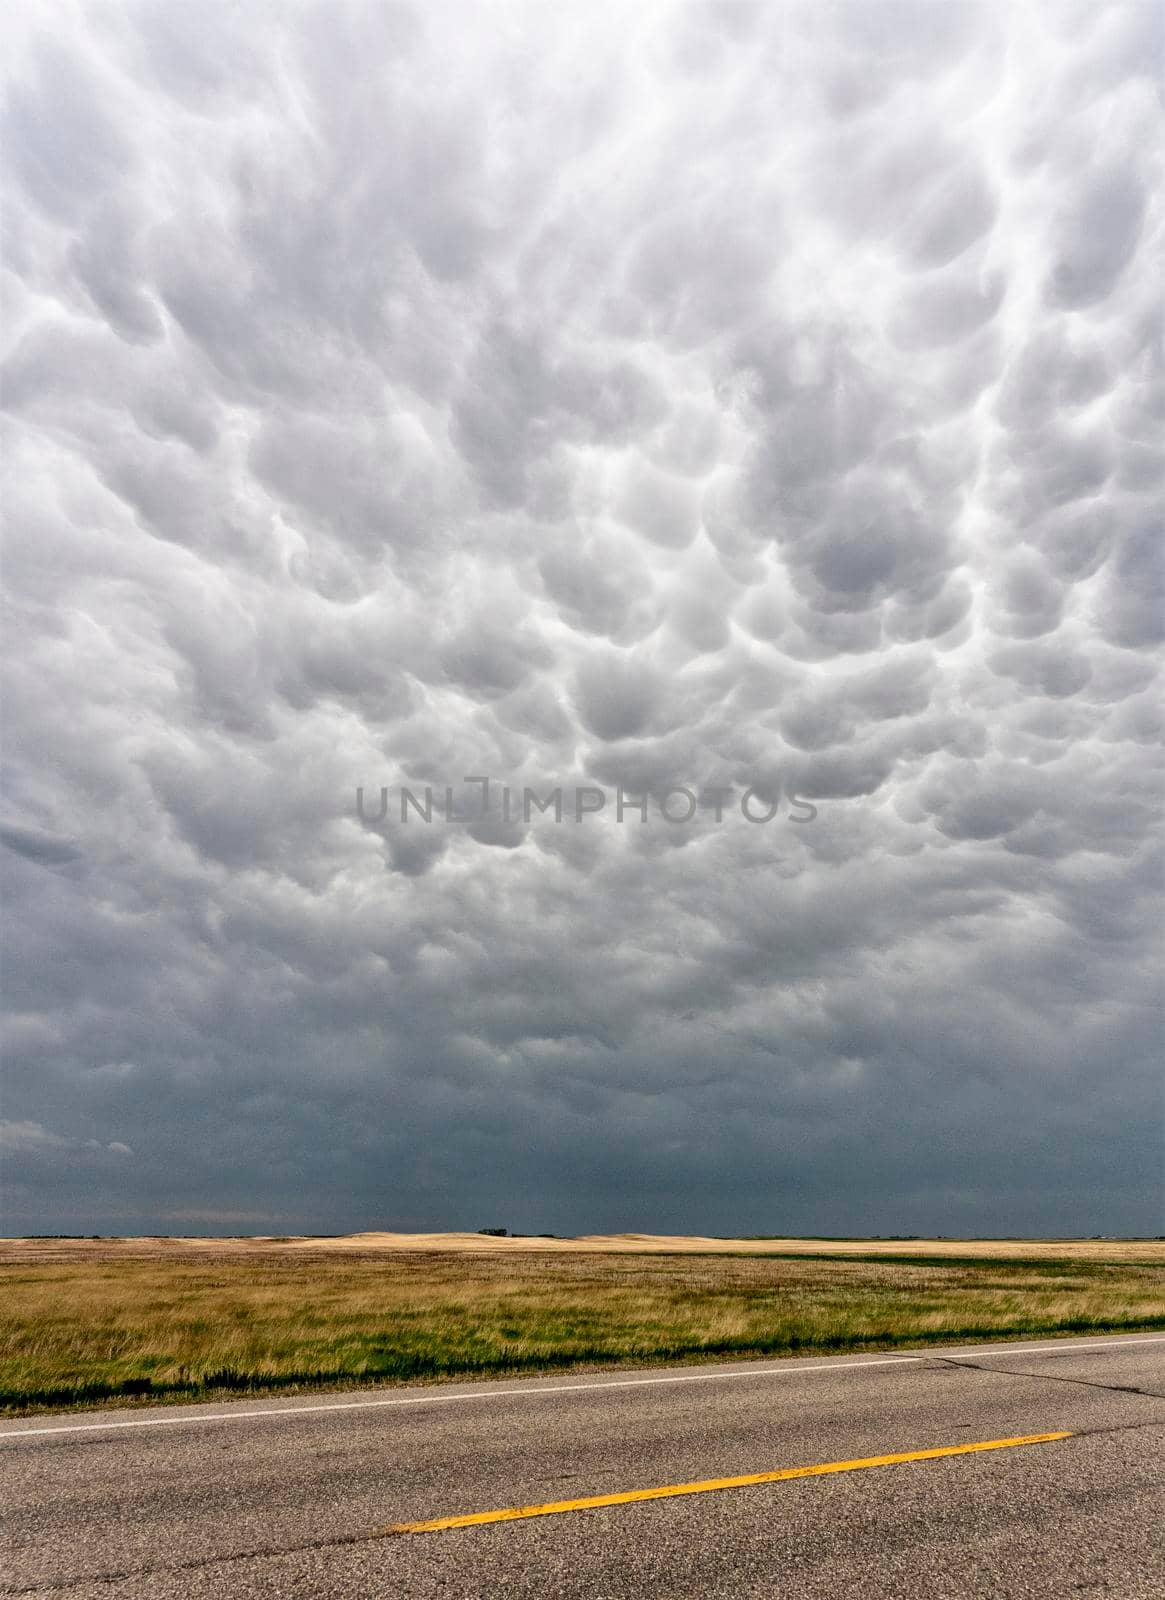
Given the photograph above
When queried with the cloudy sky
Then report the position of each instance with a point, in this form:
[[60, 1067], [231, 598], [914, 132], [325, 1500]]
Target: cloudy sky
[[757, 396]]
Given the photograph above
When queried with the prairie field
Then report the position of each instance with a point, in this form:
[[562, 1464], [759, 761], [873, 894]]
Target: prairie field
[[93, 1322], [63, 1248]]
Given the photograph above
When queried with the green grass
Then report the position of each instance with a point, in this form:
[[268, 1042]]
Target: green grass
[[96, 1330]]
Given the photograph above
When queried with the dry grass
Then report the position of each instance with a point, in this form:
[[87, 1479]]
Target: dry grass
[[168, 1324], [1101, 1250]]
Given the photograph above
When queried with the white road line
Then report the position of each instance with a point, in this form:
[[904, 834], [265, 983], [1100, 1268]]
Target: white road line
[[780, 1369], [436, 1397], [1118, 1342]]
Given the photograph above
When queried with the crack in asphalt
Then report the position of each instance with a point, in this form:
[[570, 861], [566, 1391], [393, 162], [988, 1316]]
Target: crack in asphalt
[[338, 1541], [197, 1563], [1052, 1377]]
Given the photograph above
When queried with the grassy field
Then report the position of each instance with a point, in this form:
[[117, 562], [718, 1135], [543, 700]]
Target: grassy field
[[71, 1247], [166, 1325]]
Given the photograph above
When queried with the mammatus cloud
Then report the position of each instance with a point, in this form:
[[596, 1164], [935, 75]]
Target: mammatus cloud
[[724, 396]]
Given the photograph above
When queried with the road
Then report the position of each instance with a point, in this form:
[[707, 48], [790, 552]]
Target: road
[[301, 1496]]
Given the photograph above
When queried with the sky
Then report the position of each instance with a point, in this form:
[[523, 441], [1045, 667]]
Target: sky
[[673, 397]]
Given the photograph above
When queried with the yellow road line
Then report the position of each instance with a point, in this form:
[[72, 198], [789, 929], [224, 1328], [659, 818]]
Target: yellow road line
[[708, 1485]]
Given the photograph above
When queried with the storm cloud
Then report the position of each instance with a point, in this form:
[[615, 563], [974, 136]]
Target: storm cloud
[[713, 395]]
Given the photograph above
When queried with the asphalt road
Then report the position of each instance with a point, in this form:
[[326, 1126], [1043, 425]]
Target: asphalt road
[[294, 1497]]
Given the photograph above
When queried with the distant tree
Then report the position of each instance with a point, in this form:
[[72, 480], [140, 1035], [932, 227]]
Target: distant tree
[[494, 1233]]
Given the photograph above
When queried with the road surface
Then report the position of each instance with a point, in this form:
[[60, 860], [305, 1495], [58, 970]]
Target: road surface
[[1063, 1493]]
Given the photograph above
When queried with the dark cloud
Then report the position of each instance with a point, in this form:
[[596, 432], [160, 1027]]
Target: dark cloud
[[741, 398], [40, 847]]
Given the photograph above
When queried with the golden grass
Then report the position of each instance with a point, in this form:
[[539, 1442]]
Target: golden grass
[[168, 1324], [1101, 1250]]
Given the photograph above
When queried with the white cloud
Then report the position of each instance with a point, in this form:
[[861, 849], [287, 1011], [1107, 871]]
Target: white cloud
[[727, 395]]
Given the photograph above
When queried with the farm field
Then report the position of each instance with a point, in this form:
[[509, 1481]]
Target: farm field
[[87, 1322]]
